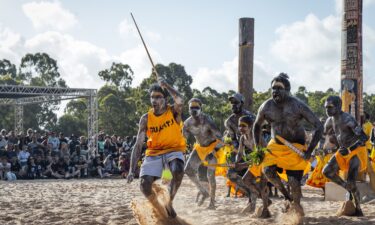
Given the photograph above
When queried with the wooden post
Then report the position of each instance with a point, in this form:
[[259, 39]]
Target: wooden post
[[351, 59], [246, 60]]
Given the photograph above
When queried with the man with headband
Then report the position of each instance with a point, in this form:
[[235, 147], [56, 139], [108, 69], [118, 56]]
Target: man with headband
[[352, 154], [285, 114], [208, 141], [165, 144]]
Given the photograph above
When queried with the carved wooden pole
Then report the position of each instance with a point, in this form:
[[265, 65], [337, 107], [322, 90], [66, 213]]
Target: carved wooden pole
[[246, 60], [351, 58]]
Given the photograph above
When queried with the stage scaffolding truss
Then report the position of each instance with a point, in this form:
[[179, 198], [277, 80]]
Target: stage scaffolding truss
[[18, 96]]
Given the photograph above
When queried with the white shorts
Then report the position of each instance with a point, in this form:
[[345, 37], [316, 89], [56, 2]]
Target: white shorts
[[154, 165]]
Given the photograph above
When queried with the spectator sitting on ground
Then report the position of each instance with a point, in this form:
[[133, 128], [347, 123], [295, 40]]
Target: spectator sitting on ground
[[101, 144], [5, 170], [15, 167], [127, 142], [54, 141], [48, 161], [38, 136], [23, 156], [12, 138], [3, 165], [77, 153], [62, 139], [11, 150], [73, 142], [83, 143], [70, 166], [3, 152], [119, 142], [99, 167], [41, 166], [35, 147], [21, 140], [110, 165], [3, 141], [3, 134], [123, 166], [64, 151], [31, 168], [29, 136], [81, 168], [60, 169]]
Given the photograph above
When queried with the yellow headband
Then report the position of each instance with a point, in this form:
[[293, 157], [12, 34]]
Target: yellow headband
[[278, 83], [195, 104], [244, 124], [330, 105]]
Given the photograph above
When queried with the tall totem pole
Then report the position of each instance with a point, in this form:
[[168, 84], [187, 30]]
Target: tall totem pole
[[246, 60], [351, 59]]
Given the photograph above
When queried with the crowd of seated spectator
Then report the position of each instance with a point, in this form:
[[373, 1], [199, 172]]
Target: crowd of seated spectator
[[45, 155]]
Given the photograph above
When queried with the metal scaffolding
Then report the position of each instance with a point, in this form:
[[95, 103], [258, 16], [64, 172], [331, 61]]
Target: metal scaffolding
[[18, 96]]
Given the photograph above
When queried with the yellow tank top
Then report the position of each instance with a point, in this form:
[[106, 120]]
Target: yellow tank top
[[164, 134]]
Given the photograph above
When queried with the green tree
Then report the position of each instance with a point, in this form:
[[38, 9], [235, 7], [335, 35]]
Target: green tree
[[120, 75], [69, 124], [37, 70], [369, 105], [8, 68], [40, 70]]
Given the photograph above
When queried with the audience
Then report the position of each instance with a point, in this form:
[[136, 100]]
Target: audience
[[36, 156]]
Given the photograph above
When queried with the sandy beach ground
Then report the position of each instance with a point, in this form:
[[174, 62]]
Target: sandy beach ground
[[109, 201]]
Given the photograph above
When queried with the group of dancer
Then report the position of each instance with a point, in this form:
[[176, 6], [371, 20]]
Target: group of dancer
[[285, 157]]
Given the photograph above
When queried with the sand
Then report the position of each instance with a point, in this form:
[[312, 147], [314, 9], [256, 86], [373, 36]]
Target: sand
[[112, 201]]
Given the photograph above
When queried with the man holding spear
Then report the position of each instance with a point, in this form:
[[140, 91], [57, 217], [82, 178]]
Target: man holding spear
[[165, 142], [287, 148]]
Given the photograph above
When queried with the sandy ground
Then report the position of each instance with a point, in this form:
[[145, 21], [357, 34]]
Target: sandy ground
[[110, 201]]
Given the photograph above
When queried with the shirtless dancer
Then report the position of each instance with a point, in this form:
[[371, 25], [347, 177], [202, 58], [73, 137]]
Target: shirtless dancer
[[285, 114], [253, 177], [231, 126], [352, 154], [208, 141], [165, 144]]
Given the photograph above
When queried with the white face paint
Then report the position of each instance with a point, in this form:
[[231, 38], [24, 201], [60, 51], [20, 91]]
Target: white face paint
[[194, 109]]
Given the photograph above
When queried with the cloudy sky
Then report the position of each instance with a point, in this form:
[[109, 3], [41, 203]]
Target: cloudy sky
[[300, 37]]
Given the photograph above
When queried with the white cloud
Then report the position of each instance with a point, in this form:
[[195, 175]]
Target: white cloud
[[49, 15], [127, 29], [139, 62], [225, 78], [221, 79], [79, 61], [311, 51], [10, 44]]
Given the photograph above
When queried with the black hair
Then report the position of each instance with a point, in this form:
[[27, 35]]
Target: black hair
[[156, 87], [197, 100], [246, 119], [283, 78], [336, 100]]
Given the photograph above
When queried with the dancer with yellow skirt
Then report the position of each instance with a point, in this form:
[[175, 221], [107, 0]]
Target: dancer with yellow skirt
[[352, 155], [287, 149], [208, 142], [253, 178]]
